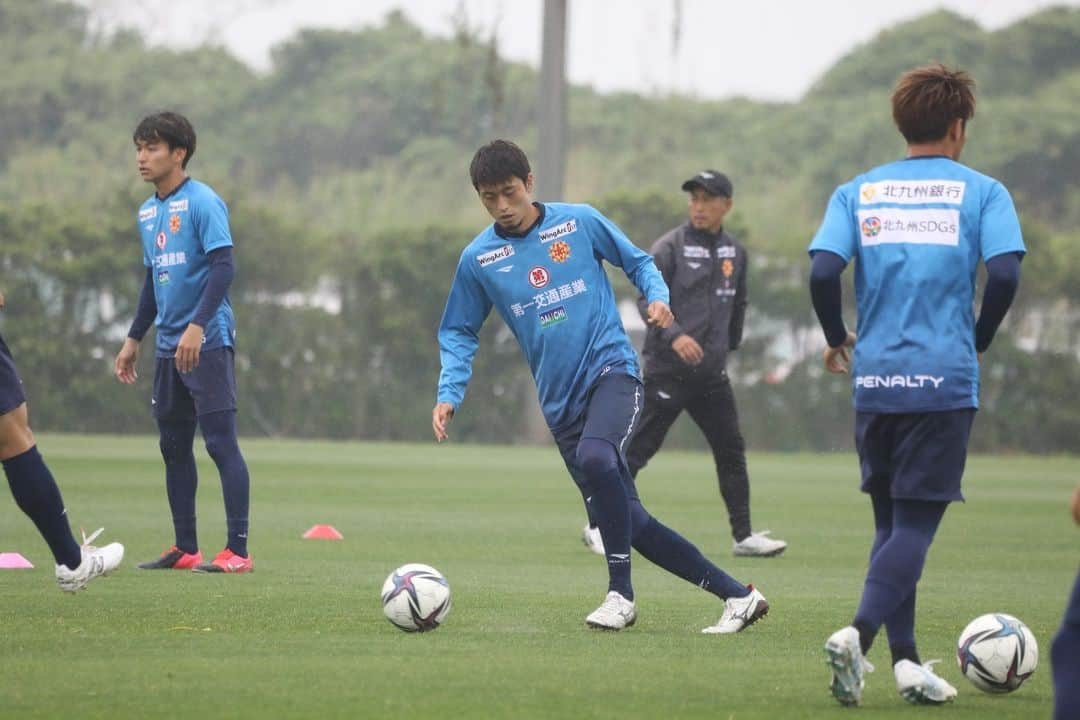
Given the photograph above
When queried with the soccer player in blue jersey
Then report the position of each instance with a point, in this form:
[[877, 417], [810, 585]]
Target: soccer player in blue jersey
[[917, 229], [1065, 652], [540, 266], [35, 490], [188, 254]]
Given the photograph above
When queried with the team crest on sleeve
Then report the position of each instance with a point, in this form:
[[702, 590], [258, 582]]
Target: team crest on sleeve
[[174, 224], [161, 240], [559, 251], [539, 276]]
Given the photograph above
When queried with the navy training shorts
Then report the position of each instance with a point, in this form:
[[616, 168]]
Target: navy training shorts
[[11, 387], [210, 387], [612, 410], [914, 456]]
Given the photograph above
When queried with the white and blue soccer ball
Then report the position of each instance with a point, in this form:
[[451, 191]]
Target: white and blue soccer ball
[[997, 653], [416, 598]]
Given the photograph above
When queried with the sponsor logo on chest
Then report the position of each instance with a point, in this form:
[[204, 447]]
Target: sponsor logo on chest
[[148, 213], [553, 316], [497, 255], [568, 227], [177, 206]]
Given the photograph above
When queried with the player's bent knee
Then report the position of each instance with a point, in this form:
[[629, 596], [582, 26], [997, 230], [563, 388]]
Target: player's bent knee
[[15, 434], [597, 457]]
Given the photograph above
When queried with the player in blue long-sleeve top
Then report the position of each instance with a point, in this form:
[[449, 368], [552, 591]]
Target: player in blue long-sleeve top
[[916, 230], [540, 266]]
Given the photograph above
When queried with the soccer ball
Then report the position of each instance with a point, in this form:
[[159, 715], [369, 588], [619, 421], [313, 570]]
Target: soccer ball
[[416, 598], [997, 653]]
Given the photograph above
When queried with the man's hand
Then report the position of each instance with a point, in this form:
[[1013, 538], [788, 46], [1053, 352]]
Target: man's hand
[[1076, 505], [124, 365], [1, 301], [688, 350], [441, 416], [838, 358], [660, 314], [188, 349]]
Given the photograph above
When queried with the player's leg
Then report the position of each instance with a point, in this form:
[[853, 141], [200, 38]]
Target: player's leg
[[900, 626], [213, 387], [844, 649], [1065, 660], [36, 492], [663, 402], [662, 406], [713, 410], [219, 432], [615, 404], [174, 411], [34, 488]]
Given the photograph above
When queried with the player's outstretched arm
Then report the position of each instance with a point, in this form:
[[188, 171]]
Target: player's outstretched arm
[[441, 415]]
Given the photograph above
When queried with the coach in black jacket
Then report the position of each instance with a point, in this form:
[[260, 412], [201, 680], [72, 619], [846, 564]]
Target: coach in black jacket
[[685, 364]]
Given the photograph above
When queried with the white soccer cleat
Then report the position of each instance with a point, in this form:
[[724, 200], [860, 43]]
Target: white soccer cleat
[[848, 665], [759, 545], [591, 537], [920, 686], [95, 561], [740, 613], [615, 613]]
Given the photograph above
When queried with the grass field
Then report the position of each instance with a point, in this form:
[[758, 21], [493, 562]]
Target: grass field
[[304, 636]]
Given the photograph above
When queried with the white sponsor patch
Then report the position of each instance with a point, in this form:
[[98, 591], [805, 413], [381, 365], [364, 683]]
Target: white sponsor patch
[[694, 251], [568, 227], [912, 192], [725, 251], [495, 255], [148, 213], [926, 226], [178, 206]]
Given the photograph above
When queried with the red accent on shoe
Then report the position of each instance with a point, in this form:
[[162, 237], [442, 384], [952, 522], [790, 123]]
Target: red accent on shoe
[[187, 560], [230, 562]]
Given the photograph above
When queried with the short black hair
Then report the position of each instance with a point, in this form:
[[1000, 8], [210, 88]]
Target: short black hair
[[168, 127], [498, 161]]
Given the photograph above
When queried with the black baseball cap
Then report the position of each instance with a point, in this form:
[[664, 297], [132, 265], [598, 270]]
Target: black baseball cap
[[713, 182]]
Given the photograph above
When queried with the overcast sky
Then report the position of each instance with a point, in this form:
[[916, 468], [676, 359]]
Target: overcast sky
[[764, 50]]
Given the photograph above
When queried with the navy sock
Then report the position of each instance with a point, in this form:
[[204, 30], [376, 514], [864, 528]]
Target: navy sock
[[904, 652], [901, 624], [895, 570], [610, 509], [181, 479], [663, 546], [219, 432], [37, 495], [1065, 660]]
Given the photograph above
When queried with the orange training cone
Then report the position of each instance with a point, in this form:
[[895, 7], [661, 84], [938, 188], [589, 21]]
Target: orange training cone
[[323, 532]]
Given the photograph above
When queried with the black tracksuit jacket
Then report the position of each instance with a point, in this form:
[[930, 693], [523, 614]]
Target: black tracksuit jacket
[[706, 275]]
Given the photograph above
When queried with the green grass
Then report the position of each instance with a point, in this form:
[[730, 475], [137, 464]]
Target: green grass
[[304, 636]]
